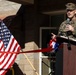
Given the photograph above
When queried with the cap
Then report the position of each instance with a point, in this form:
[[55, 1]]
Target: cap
[[70, 6]]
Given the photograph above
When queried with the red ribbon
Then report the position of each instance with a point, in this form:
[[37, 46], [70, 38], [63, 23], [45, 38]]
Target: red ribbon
[[42, 50], [49, 49]]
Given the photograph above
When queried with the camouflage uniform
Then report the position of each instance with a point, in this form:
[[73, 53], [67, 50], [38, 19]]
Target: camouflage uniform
[[62, 30]]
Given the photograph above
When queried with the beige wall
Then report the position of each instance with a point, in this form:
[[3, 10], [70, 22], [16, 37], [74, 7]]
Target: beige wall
[[29, 61]]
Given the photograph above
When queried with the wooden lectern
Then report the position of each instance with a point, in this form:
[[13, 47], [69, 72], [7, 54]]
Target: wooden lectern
[[69, 60], [69, 56]]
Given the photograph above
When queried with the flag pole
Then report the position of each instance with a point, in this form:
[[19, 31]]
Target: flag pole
[[30, 63]]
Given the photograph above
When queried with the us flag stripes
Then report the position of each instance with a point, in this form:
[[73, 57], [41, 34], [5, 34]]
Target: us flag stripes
[[7, 44]]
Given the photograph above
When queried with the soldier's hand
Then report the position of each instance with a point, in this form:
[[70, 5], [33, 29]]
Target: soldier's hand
[[69, 28], [53, 35]]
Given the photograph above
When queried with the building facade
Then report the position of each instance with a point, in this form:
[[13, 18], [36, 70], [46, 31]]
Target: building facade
[[31, 25]]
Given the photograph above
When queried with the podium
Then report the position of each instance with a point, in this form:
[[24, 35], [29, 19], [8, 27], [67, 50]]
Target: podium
[[69, 58]]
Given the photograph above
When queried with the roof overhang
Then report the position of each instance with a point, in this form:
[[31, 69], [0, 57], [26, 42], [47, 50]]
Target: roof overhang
[[23, 1], [54, 12]]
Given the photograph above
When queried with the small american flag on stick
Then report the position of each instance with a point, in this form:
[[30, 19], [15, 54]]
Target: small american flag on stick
[[7, 44]]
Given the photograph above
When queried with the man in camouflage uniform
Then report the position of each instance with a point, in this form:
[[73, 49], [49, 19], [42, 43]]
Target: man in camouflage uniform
[[68, 27]]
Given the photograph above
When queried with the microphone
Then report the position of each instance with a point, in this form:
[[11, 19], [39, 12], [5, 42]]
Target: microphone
[[68, 23]]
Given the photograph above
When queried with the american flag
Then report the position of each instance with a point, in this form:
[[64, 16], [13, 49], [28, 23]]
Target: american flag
[[7, 44], [54, 44]]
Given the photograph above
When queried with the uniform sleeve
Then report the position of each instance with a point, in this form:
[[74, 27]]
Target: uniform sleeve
[[74, 33], [61, 29]]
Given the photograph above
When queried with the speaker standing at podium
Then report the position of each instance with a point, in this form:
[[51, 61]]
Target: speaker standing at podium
[[68, 27]]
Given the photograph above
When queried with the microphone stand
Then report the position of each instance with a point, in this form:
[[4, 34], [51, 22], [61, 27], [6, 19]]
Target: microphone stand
[[69, 44]]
